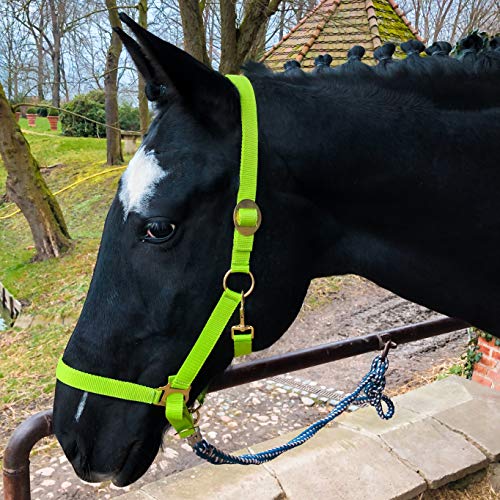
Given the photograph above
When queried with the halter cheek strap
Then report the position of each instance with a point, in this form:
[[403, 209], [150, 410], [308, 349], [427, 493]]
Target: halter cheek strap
[[247, 217]]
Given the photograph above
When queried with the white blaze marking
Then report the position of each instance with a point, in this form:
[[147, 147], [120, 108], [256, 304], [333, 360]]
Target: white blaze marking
[[81, 407], [139, 181]]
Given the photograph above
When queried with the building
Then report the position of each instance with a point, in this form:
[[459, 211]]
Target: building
[[334, 26]]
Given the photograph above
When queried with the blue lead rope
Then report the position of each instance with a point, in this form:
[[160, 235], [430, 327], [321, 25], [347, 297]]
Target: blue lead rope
[[373, 385]]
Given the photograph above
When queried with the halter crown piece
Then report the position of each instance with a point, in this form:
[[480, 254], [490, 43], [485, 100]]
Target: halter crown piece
[[247, 217]]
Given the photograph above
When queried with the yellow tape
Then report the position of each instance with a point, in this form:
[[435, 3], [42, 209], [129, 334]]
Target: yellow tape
[[62, 190]]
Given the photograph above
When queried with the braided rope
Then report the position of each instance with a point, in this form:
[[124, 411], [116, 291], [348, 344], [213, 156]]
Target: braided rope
[[373, 385]]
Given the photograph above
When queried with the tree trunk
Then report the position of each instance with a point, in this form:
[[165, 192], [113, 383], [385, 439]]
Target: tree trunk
[[11, 72], [40, 53], [194, 30], [27, 188], [256, 14], [259, 44], [281, 31], [229, 38], [40, 70], [246, 41], [64, 80], [56, 53], [113, 136], [143, 101]]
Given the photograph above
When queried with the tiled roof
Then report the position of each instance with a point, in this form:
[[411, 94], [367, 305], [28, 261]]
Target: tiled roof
[[334, 26]]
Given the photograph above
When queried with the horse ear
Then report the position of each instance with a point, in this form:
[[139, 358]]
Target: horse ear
[[152, 73], [205, 92]]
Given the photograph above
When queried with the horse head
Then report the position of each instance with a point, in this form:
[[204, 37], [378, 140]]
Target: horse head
[[165, 248]]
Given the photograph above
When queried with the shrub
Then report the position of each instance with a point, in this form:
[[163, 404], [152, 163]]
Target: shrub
[[42, 108], [129, 117], [53, 112], [31, 111], [91, 106]]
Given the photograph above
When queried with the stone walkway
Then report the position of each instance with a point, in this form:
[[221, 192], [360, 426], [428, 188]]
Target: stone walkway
[[441, 433]]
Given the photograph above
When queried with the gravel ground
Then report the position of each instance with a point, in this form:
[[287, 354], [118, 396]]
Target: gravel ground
[[243, 416]]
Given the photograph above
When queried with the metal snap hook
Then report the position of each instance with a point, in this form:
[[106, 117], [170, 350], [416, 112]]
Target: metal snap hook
[[387, 347]]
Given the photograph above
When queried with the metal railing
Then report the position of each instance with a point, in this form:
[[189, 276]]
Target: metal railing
[[16, 474]]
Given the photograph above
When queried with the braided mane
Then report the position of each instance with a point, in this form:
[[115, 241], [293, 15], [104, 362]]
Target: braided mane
[[468, 80]]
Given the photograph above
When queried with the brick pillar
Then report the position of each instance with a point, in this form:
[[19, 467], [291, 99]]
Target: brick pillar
[[487, 369]]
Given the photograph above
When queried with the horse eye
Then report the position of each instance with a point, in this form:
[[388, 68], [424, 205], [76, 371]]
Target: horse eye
[[158, 231]]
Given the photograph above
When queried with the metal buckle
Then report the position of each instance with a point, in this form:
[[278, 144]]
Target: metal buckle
[[241, 329], [167, 390], [195, 438], [195, 412], [246, 230], [252, 284]]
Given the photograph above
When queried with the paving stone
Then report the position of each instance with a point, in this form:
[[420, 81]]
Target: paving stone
[[436, 397], [307, 401], [443, 395], [340, 463], [224, 482], [48, 482], [435, 451], [366, 420], [479, 420], [477, 391], [46, 471]]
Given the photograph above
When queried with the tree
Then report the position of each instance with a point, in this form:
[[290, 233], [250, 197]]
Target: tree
[[27, 188], [194, 29], [452, 19], [18, 67], [113, 136], [239, 39], [50, 23], [37, 16]]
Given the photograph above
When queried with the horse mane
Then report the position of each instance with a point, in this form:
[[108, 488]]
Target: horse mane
[[468, 80]]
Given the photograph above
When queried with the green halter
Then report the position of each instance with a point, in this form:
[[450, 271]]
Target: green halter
[[175, 395]]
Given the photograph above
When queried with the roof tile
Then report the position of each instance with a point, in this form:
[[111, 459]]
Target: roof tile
[[334, 26]]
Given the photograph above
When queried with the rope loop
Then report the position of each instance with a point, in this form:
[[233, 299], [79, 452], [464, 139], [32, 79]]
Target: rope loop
[[372, 385]]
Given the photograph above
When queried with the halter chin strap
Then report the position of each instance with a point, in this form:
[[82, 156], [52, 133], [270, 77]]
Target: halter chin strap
[[175, 394]]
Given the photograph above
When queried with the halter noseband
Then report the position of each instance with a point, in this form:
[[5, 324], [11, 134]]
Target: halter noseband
[[247, 217]]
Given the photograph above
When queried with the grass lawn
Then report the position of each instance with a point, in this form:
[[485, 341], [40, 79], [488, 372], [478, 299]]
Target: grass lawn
[[52, 291]]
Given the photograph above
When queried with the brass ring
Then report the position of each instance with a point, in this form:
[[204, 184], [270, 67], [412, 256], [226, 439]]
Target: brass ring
[[252, 285]]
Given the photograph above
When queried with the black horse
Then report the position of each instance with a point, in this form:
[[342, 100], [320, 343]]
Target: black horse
[[390, 173]]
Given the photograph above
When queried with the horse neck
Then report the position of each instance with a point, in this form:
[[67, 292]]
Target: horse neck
[[340, 152]]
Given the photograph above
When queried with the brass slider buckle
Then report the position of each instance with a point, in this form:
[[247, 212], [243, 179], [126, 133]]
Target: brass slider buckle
[[167, 390], [246, 230]]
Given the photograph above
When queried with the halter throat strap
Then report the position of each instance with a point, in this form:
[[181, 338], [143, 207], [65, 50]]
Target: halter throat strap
[[246, 216]]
